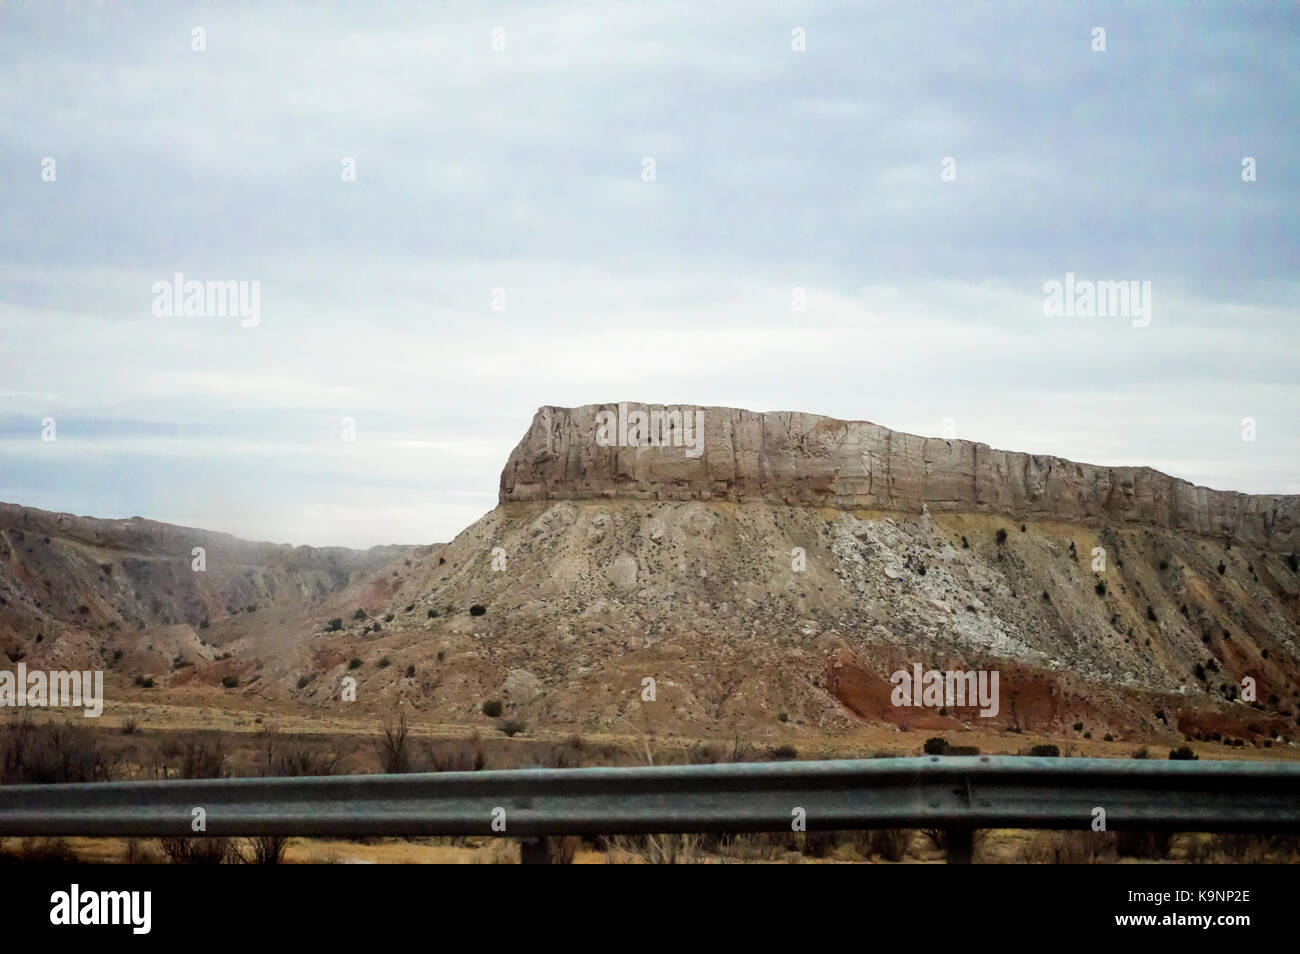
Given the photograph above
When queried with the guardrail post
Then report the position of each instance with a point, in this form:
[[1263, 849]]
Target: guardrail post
[[961, 846], [535, 851]]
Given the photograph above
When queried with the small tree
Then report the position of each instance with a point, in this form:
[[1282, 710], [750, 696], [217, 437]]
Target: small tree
[[393, 751]]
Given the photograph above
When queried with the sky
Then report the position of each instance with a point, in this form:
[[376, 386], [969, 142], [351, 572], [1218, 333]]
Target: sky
[[457, 213]]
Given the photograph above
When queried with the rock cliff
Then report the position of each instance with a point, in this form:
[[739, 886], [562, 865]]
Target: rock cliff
[[641, 451]]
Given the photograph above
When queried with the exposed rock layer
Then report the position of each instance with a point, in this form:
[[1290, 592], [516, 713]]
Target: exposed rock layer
[[801, 459]]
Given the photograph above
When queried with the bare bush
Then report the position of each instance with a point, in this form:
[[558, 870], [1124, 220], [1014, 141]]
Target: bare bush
[[653, 849], [293, 758], [890, 843], [394, 751], [194, 755], [199, 851], [560, 851], [139, 852], [53, 754], [1143, 844], [266, 850], [456, 756], [1070, 848], [1240, 848]]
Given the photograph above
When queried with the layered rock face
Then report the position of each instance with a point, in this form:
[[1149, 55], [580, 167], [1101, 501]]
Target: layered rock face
[[641, 451]]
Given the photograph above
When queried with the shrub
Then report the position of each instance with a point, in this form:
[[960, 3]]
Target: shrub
[[388, 618], [492, 708], [459, 756], [936, 745], [1002, 536], [783, 753], [1143, 844], [1046, 751], [560, 850], [355, 663], [1183, 754], [266, 850], [230, 682], [393, 752], [130, 727], [1151, 613], [410, 670], [1078, 727], [334, 625], [199, 851], [1222, 569], [385, 663], [478, 609], [512, 727], [890, 843], [1069, 847], [1100, 587], [295, 759], [359, 614], [194, 755], [964, 544], [433, 614], [302, 682], [1293, 561], [51, 754]]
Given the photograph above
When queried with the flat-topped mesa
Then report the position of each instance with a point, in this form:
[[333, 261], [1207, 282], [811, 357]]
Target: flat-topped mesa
[[654, 452]]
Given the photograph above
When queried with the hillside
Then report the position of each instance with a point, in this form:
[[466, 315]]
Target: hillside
[[604, 566]]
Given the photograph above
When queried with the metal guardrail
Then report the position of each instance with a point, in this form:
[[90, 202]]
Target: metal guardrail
[[958, 794]]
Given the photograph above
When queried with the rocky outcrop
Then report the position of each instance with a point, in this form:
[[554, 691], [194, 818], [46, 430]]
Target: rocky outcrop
[[652, 452]]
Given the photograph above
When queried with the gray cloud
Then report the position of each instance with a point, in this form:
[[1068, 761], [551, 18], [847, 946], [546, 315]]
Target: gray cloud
[[522, 169]]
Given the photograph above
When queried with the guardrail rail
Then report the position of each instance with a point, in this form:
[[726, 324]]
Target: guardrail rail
[[958, 794]]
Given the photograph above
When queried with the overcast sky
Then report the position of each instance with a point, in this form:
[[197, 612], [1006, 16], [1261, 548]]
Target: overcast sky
[[523, 169]]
